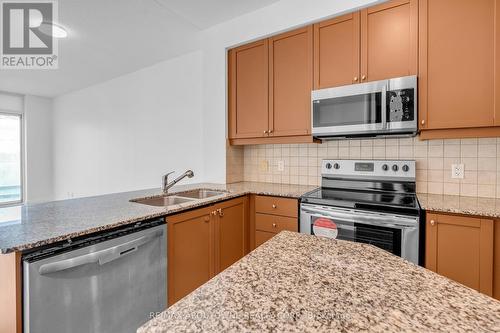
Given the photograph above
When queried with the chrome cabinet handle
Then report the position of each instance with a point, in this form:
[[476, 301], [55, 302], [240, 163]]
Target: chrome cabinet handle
[[274, 225], [270, 131], [355, 79], [433, 222], [274, 206], [265, 132], [423, 122], [363, 77]]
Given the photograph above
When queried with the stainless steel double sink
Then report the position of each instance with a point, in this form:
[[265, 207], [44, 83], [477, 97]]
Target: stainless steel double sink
[[180, 198]]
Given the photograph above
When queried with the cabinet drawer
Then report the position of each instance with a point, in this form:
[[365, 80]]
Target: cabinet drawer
[[272, 223], [261, 237], [276, 206]]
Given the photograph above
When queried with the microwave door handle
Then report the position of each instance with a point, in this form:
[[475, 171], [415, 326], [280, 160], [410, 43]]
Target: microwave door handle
[[384, 106]]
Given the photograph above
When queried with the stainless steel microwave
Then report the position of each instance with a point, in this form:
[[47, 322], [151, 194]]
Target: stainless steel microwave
[[378, 108]]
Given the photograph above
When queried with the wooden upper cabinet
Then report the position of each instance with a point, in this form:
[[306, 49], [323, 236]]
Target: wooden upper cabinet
[[232, 234], [380, 42], [337, 51], [290, 82], [190, 252], [457, 64], [461, 248], [248, 90], [389, 35]]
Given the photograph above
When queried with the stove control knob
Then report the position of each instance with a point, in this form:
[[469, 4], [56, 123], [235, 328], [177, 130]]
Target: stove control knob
[[385, 167], [328, 166], [406, 168], [336, 166], [395, 168]]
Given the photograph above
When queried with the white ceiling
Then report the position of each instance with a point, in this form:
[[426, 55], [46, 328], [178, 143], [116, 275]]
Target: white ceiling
[[109, 38], [206, 13]]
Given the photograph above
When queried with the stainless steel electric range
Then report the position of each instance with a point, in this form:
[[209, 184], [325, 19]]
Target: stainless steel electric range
[[368, 201]]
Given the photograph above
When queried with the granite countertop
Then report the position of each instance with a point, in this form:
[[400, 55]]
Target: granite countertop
[[303, 283], [487, 207], [33, 225]]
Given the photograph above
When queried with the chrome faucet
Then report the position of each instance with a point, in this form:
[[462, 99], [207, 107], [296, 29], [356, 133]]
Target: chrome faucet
[[167, 185]]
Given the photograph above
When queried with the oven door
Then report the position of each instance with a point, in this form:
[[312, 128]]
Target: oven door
[[350, 110], [397, 234]]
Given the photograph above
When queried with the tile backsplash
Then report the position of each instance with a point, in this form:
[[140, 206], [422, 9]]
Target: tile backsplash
[[300, 163], [234, 164]]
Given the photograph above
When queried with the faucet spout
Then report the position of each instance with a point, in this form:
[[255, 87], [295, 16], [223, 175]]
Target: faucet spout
[[167, 185]]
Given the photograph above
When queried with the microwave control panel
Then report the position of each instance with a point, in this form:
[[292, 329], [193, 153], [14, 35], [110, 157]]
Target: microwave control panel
[[400, 105]]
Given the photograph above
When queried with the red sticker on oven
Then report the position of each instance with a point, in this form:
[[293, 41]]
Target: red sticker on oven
[[325, 228]]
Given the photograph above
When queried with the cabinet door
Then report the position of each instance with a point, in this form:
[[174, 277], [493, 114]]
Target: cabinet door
[[496, 263], [262, 236], [231, 232], [10, 297], [389, 34], [248, 91], [457, 63], [336, 51], [275, 224], [461, 248], [190, 252], [290, 82]]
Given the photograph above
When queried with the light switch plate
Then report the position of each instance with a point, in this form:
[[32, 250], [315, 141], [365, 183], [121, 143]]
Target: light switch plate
[[457, 171]]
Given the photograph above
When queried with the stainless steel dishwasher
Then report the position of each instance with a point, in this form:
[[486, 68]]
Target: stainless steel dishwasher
[[107, 283]]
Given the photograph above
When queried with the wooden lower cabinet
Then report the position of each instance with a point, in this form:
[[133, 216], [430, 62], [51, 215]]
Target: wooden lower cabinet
[[496, 260], [274, 224], [231, 233], [270, 215], [10, 293], [204, 242], [262, 236], [462, 249], [190, 252]]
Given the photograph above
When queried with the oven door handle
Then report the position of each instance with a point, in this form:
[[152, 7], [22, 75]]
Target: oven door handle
[[387, 221]]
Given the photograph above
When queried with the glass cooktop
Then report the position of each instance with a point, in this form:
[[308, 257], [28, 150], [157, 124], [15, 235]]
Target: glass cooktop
[[405, 203]]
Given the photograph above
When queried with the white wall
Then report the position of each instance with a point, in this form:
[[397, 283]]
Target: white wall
[[281, 16], [38, 149], [124, 134]]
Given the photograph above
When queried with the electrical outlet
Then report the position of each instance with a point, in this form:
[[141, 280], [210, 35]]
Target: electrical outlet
[[457, 171], [264, 166], [281, 166]]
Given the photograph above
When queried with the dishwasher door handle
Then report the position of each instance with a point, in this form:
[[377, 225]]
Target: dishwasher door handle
[[102, 256]]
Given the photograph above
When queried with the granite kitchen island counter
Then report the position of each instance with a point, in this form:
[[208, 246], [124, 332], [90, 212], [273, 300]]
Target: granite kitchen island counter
[[303, 283]]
